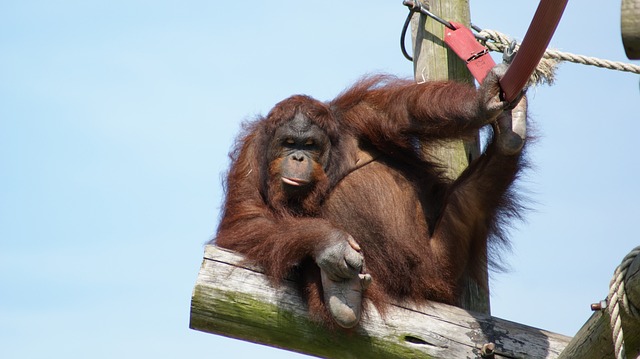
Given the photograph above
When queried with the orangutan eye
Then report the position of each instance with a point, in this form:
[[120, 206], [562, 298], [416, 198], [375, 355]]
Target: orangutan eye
[[290, 141], [309, 142]]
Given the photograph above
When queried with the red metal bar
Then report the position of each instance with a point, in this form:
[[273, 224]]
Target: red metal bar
[[544, 24]]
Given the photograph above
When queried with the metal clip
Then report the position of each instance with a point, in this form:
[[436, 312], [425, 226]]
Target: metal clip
[[509, 52]]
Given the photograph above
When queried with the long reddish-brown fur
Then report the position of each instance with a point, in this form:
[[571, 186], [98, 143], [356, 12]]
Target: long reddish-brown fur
[[419, 234]]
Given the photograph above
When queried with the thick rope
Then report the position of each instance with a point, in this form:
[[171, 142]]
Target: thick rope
[[501, 41], [618, 296]]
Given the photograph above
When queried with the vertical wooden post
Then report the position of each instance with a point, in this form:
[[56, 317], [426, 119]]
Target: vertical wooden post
[[433, 60]]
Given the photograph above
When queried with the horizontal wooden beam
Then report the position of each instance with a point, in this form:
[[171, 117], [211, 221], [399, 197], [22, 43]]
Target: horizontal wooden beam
[[236, 300]]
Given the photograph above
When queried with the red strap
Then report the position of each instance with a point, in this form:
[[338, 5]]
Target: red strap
[[462, 41]]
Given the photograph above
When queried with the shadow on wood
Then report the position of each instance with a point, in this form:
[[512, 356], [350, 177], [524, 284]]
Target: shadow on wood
[[236, 300]]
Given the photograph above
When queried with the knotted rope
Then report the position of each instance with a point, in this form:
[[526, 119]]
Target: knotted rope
[[499, 42]]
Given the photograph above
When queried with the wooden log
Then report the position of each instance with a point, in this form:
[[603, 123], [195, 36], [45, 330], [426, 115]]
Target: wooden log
[[632, 282], [594, 339], [434, 61], [235, 300], [630, 28]]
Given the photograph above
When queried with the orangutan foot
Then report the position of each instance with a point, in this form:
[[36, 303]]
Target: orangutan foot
[[344, 298], [511, 129]]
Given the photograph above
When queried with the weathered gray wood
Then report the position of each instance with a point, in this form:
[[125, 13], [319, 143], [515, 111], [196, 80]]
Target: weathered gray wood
[[594, 339], [630, 28], [236, 300], [434, 61], [632, 282]]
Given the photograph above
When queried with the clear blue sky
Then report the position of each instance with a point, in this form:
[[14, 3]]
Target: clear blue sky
[[116, 118]]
